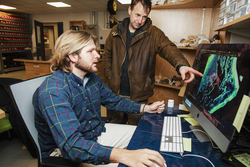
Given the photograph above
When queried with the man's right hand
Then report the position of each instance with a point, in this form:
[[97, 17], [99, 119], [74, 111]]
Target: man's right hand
[[137, 158]]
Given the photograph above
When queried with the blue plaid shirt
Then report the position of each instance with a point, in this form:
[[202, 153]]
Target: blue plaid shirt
[[68, 115]]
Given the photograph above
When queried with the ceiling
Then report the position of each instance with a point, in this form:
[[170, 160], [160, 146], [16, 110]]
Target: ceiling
[[41, 7]]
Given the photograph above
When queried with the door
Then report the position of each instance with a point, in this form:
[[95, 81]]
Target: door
[[39, 40]]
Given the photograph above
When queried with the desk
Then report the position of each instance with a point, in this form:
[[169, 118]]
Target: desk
[[148, 135], [35, 68], [2, 114]]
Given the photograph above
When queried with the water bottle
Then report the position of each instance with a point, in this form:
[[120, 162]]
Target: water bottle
[[170, 106]]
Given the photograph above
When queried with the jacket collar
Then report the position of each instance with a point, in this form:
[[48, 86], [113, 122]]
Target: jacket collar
[[121, 27]]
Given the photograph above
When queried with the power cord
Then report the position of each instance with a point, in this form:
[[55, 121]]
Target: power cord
[[193, 155], [205, 134]]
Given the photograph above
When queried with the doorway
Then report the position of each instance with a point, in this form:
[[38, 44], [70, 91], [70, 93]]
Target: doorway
[[49, 40], [49, 34]]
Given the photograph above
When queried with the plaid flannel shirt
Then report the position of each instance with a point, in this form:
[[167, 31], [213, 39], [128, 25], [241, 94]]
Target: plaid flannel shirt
[[68, 115]]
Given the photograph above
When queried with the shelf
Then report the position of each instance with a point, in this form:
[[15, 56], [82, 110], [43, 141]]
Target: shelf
[[187, 48], [18, 21], [168, 86], [188, 4], [240, 23], [10, 25], [16, 36], [79, 23], [22, 41], [4, 30], [33, 61], [16, 51], [10, 46]]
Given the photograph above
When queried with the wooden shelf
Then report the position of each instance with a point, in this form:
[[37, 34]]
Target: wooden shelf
[[188, 4], [168, 86], [79, 23], [242, 22], [32, 61], [187, 48]]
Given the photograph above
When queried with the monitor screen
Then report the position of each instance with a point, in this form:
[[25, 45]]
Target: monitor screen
[[215, 98]]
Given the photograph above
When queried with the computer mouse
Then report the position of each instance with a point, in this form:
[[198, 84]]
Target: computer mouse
[[159, 166]]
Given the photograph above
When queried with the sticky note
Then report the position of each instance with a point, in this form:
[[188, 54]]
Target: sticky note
[[182, 107], [241, 113], [187, 144], [185, 115], [192, 121], [243, 158]]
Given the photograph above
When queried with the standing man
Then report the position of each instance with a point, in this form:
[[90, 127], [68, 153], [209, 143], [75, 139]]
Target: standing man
[[130, 57], [68, 109]]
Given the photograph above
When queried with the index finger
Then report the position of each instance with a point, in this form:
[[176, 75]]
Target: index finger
[[197, 72]]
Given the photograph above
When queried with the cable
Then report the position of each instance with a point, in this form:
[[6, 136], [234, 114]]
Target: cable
[[193, 155], [205, 134]]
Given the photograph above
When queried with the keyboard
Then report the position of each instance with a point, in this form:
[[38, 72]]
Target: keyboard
[[171, 137]]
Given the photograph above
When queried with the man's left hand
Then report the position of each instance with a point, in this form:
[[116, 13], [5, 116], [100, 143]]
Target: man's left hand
[[188, 72]]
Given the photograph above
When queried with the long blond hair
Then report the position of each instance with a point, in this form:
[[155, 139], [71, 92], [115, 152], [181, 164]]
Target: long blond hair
[[70, 41]]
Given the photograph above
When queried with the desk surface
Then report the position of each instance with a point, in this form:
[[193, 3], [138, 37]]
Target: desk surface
[[2, 114], [148, 135]]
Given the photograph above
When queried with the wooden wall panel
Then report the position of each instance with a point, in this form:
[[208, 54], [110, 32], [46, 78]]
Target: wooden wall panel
[[180, 23]]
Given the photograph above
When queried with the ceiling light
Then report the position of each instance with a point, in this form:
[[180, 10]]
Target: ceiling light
[[58, 4], [125, 1], [6, 7]]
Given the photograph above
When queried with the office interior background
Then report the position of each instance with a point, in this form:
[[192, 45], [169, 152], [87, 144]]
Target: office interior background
[[178, 21]]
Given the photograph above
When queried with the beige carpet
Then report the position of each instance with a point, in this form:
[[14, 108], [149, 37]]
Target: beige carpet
[[14, 155], [15, 74]]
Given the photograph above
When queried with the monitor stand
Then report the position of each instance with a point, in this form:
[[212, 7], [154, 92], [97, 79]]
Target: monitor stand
[[202, 137]]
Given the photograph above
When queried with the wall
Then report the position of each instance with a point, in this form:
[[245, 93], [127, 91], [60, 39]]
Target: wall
[[101, 20], [180, 23]]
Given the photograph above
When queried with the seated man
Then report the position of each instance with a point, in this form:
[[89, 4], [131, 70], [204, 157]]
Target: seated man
[[68, 109]]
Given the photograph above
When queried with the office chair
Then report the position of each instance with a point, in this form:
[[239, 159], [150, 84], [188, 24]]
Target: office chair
[[22, 93], [6, 105], [14, 120]]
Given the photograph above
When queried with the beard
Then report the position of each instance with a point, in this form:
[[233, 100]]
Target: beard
[[84, 67]]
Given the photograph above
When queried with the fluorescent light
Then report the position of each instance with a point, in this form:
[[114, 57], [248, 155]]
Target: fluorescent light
[[125, 1], [58, 4], [6, 7]]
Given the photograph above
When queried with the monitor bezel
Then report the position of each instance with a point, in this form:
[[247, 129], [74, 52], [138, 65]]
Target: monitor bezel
[[214, 133]]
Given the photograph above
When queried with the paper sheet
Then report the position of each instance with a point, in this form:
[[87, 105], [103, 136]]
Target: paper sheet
[[187, 144], [243, 158], [185, 115], [241, 113], [192, 121], [182, 107]]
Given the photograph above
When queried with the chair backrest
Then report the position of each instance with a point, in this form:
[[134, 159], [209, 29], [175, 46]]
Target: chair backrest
[[22, 94]]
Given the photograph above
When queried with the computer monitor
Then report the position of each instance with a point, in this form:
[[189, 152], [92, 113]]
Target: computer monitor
[[214, 99]]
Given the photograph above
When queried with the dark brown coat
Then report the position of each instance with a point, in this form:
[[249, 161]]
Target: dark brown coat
[[142, 58]]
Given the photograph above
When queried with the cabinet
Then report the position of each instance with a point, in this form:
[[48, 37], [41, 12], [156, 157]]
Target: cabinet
[[188, 4], [15, 40], [35, 68], [192, 14], [77, 25], [240, 26]]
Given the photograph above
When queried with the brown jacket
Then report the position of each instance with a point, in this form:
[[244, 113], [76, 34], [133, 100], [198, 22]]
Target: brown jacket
[[142, 58]]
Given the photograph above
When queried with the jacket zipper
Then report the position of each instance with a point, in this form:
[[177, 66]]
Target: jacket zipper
[[122, 61], [125, 57], [128, 76]]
